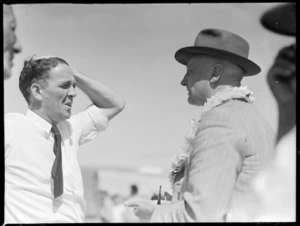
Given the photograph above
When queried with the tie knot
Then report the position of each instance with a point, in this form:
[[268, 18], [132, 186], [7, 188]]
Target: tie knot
[[55, 130]]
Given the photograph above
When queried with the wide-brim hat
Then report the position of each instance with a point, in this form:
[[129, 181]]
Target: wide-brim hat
[[222, 44], [281, 19]]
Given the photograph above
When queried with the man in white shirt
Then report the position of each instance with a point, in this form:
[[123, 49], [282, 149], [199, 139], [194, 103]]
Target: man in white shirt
[[34, 151], [11, 44]]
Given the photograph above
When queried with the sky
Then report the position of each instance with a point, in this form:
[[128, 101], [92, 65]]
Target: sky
[[130, 48]]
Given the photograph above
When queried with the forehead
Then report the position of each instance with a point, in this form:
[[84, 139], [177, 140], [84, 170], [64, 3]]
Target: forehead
[[194, 62], [61, 73]]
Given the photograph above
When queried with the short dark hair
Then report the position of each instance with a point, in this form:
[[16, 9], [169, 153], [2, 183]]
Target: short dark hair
[[35, 70]]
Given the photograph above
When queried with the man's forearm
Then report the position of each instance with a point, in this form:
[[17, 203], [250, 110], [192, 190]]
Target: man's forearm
[[100, 95]]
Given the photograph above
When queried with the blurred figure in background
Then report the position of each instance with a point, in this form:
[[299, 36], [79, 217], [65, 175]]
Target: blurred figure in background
[[105, 207], [11, 44], [134, 190], [277, 185], [118, 208], [122, 213], [128, 214]]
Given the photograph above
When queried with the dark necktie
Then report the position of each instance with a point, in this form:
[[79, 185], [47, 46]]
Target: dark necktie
[[56, 172]]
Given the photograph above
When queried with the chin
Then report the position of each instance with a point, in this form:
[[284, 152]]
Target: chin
[[192, 102], [67, 115]]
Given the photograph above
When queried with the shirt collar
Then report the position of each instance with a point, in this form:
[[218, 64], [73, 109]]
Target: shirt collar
[[41, 123]]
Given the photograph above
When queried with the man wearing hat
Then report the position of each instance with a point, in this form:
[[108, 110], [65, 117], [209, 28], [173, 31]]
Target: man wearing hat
[[276, 186], [230, 143]]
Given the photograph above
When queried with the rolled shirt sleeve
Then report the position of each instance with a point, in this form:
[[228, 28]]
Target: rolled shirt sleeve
[[89, 123], [214, 165]]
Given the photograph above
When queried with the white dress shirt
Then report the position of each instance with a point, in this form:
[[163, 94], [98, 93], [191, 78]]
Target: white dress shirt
[[29, 159]]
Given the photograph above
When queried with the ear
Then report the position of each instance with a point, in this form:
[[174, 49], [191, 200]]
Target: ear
[[36, 91], [217, 72]]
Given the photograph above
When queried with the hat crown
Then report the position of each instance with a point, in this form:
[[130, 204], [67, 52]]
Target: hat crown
[[222, 40]]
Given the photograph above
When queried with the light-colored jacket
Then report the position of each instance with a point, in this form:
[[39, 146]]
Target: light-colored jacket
[[233, 144]]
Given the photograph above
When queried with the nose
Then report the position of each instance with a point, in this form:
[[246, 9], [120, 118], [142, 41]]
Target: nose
[[72, 92], [17, 46], [184, 80]]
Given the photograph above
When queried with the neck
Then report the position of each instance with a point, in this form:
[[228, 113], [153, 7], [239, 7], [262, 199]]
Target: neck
[[220, 88], [40, 113]]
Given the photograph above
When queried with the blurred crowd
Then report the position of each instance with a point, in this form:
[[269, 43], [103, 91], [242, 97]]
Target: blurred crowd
[[111, 208]]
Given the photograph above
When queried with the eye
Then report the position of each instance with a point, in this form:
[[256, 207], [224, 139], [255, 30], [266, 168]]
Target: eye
[[65, 85], [189, 71]]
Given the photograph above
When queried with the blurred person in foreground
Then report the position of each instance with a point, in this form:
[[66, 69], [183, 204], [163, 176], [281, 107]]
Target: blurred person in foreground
[[11, 44], [227, 147], [43, 182], [276, 185]]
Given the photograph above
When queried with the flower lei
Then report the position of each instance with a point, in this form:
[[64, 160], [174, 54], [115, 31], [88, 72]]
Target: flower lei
[[181, 159]]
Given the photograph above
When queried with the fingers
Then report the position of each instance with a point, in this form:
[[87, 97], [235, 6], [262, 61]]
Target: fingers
[[130, 204], [133, 202]]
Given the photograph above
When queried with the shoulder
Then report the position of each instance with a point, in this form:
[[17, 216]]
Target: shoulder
[[13, 117], [227, 112], [13, 122]]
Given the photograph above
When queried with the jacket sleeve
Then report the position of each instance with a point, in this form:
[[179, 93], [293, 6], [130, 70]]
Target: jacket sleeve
[[214, 166]]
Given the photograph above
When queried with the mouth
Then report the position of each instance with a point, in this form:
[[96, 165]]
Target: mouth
[[69, 104]]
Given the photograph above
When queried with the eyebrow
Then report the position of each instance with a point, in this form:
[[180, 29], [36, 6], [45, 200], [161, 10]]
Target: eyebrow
[[190, 66], [68, 82]]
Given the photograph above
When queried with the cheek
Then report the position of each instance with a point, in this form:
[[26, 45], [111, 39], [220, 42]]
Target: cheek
[[200, 88], [6, 56], [191, 81], [53, 100], [8, 41]]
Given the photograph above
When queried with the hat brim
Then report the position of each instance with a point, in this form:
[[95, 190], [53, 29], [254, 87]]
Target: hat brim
[[185, 54], [281, 19]]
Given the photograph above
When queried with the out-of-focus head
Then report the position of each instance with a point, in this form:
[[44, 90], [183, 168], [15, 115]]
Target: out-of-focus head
[[281, 19], [11, 44], [48, 85], [134, 189], [281, 77], [282, 74]]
